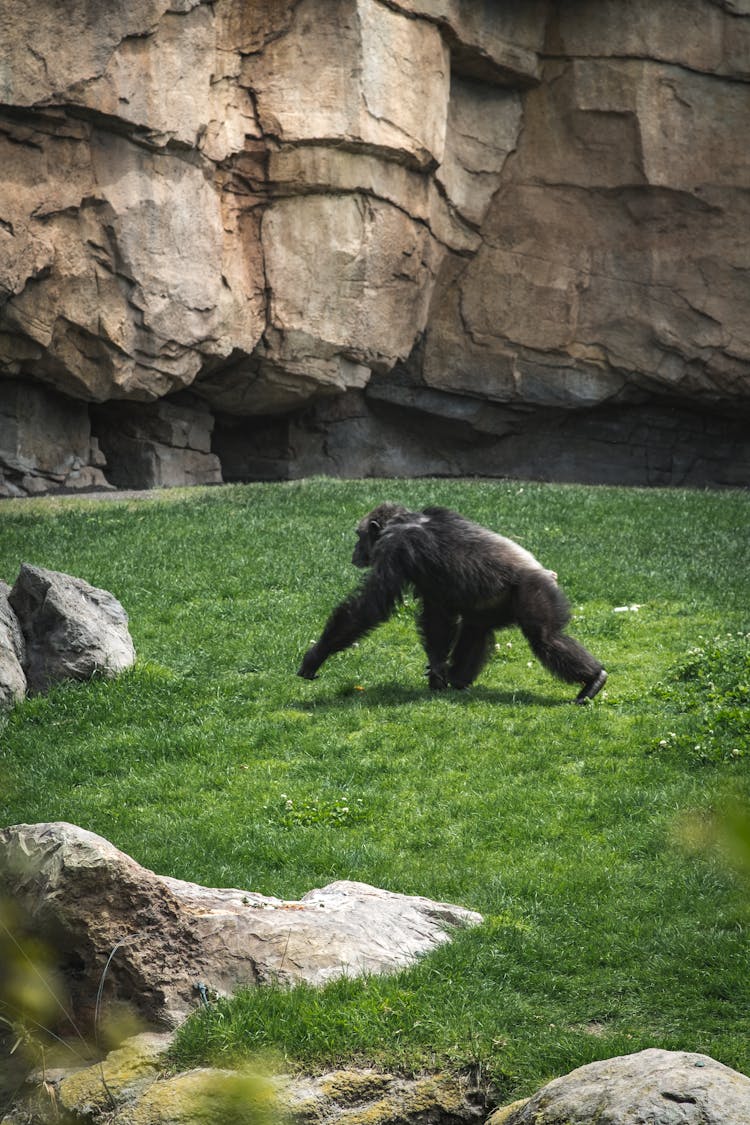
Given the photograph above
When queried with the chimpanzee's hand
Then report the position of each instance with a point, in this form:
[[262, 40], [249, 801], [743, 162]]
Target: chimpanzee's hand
[[310, 664]]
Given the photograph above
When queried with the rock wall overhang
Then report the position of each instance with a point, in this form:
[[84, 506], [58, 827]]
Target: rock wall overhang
[[531, 206]]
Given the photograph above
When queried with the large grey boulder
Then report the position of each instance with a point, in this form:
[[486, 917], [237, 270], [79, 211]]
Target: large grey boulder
[[86, 898], [72, 630], [12, 653], [652, 1087]]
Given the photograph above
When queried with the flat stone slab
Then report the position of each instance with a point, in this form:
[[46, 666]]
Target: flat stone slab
[[169, 939]]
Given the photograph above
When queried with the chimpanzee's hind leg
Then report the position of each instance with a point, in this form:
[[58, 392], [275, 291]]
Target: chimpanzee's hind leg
[[470, 654], [588, 691], [437, 628], [542, 612]]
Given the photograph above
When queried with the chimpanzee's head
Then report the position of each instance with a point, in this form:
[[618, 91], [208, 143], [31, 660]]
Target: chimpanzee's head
[[371, 528]]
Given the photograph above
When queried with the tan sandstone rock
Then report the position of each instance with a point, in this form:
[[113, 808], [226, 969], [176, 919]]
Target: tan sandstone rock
[[536, 206], [90, 901], [615, 254], [148, 243]]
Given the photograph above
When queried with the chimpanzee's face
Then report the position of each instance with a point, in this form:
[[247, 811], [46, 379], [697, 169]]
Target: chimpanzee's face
[[368, 533], [370, 529]]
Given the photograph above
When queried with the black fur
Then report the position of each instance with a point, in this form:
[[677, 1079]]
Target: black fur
[[470, 582]]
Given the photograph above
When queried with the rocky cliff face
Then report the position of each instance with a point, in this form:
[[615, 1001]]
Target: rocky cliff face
[[374, 236]]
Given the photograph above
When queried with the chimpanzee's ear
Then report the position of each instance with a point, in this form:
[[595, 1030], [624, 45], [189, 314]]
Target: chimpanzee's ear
[[373, 530]]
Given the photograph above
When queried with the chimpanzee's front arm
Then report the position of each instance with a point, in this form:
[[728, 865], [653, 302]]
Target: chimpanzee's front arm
[[357, 615]]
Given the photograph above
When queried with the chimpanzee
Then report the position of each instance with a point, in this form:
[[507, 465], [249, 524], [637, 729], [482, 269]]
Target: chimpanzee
[[470, 582]]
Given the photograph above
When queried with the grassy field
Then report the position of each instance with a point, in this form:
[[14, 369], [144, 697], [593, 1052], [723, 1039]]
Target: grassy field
[[610, 925]]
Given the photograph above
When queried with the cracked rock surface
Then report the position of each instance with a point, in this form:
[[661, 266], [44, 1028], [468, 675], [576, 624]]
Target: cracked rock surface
[[431, 207], [69, 629], [265, 188], [166, 937]]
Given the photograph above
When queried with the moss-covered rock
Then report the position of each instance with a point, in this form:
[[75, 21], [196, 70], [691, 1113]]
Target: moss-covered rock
[[370, 1097], [120, 1078], [503, 1114], [206, 1097]]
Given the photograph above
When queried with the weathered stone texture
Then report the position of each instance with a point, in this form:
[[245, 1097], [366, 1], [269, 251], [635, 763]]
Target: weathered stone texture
[[539, 206], [71, 630], [669, 1087], [130, 208], [159, 446], [398, 429], [12, 653], [129, 1087], [45, 442], [627, 272], [84, 895], [381, 80]]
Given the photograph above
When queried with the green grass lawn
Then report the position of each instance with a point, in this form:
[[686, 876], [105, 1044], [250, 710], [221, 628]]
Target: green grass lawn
[[567, 827]]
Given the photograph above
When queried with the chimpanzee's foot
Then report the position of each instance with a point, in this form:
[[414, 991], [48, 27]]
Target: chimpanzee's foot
[[592, 688], [436, 678]]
